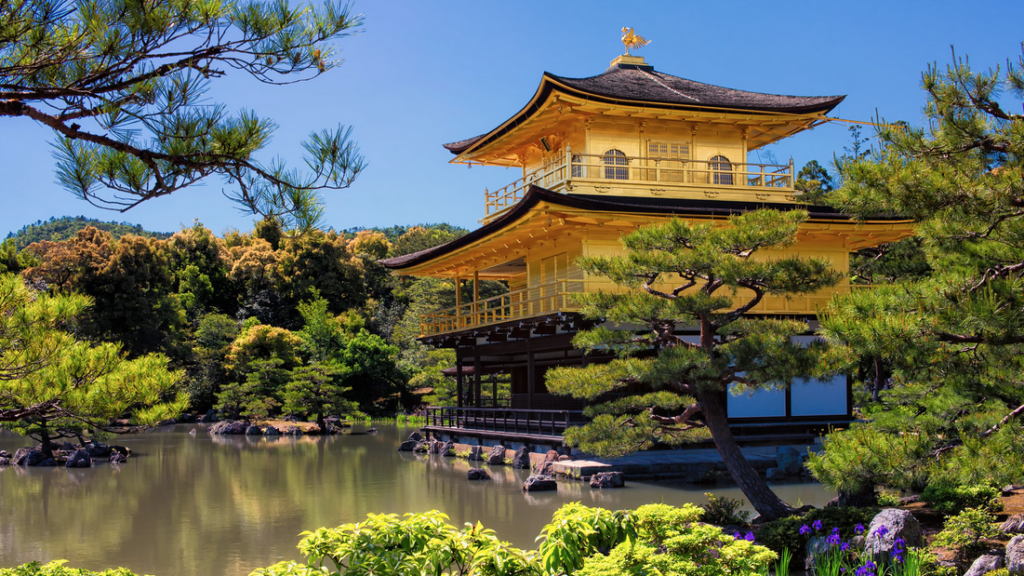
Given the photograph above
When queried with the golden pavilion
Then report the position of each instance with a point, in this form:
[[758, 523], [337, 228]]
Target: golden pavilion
[[600, 157]]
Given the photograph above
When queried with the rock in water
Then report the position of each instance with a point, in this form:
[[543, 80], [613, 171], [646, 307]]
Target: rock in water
[[538, 483], [497, 456], [48, 462], [229, 428], [271, 431], [476, 454], [1013, 525], [28, 457], [789, 460], [253, 430], [985, 564], [5, 461], [551, 456], [416, 436], [447, 449], [478, 474], [521, 459], [97, 450], [118, 458], [603, 480], [5, 454], [1015, 556], [886, 527], [407, 446], [79, 459]]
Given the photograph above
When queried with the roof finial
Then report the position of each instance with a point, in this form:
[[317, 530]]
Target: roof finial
[[633, 40]]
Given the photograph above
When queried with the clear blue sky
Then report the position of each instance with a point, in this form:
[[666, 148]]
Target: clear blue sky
[[424, 73]]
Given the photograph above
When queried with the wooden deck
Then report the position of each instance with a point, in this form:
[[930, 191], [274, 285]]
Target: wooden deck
[[508, 424]]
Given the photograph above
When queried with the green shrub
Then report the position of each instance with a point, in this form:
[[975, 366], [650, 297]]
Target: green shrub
[[888, 499], [57, 568], [951, 500], [964, 532], [999, 572], [722, 510], [670, 541], [413, 544], [785, 533], [576, 532]]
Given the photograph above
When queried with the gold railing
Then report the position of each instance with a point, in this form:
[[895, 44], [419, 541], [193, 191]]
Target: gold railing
[[536, 301], [549, 176], [655, 172]]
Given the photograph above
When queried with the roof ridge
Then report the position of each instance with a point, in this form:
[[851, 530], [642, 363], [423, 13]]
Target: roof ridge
[[667, 87]]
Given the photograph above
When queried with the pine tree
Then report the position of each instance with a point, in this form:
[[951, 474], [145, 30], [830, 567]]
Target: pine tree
[[955, 340], [53, 385], [721, 276], [122, 85]]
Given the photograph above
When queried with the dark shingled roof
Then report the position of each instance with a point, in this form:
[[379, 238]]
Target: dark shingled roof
[[628, 83], [622, 204]]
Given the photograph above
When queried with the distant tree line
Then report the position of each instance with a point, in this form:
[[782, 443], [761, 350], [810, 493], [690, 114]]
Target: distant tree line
[[259, 324]]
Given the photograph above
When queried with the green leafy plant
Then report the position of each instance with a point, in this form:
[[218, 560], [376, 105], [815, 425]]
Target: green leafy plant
[[412, 544], [57, 568], [888, 499], [964, 532], [576, 532], [670, 540], [954, 499], [722, 510]]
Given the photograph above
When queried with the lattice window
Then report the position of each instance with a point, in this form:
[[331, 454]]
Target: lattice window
[[669, 159], [721, 169]]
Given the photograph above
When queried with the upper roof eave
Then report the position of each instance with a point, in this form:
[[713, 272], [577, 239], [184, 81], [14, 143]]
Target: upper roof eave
[[576, 87]]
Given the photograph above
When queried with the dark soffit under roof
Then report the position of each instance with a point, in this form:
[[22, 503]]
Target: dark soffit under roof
[[621, 204], [632, 84]]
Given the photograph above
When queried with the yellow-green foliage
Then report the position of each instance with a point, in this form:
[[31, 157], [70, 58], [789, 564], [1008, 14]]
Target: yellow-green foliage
[[576, 532], [412, 544], [57, 568], [669, 541]]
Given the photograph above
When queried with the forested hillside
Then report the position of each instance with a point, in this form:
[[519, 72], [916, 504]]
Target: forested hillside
[[64, 228]]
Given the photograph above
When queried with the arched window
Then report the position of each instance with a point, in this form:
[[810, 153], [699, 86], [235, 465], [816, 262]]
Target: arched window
[[721, 170], [577, 166], [615, 165]]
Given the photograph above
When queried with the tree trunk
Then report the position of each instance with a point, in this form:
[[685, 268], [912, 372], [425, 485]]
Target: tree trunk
[[46, 445], [321, 422], [755, 488], [879, 379]]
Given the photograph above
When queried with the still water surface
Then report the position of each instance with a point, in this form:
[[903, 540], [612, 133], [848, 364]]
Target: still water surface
[[202, 505]]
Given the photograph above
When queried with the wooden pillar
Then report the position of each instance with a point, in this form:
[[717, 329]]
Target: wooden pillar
[[458, 301], [531, 375], [477, 369], [494, 390], [458, 379], [477, 320]]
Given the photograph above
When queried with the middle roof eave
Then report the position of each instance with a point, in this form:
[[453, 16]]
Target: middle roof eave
[[630, 205]]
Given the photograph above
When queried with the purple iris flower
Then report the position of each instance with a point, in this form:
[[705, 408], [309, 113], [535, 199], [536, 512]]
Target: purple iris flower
[[833, 540], [859, 528], [749, 537], [816, 524], [805, 530], [845, 546], [881, 530], [736, 535]]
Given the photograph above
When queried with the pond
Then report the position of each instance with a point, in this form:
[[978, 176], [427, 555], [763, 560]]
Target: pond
[[227, 505]]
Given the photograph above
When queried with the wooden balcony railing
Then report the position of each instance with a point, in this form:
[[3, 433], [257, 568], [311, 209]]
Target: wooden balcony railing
[[555, 297], [657, 173], [543, 299], [508, 421]]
